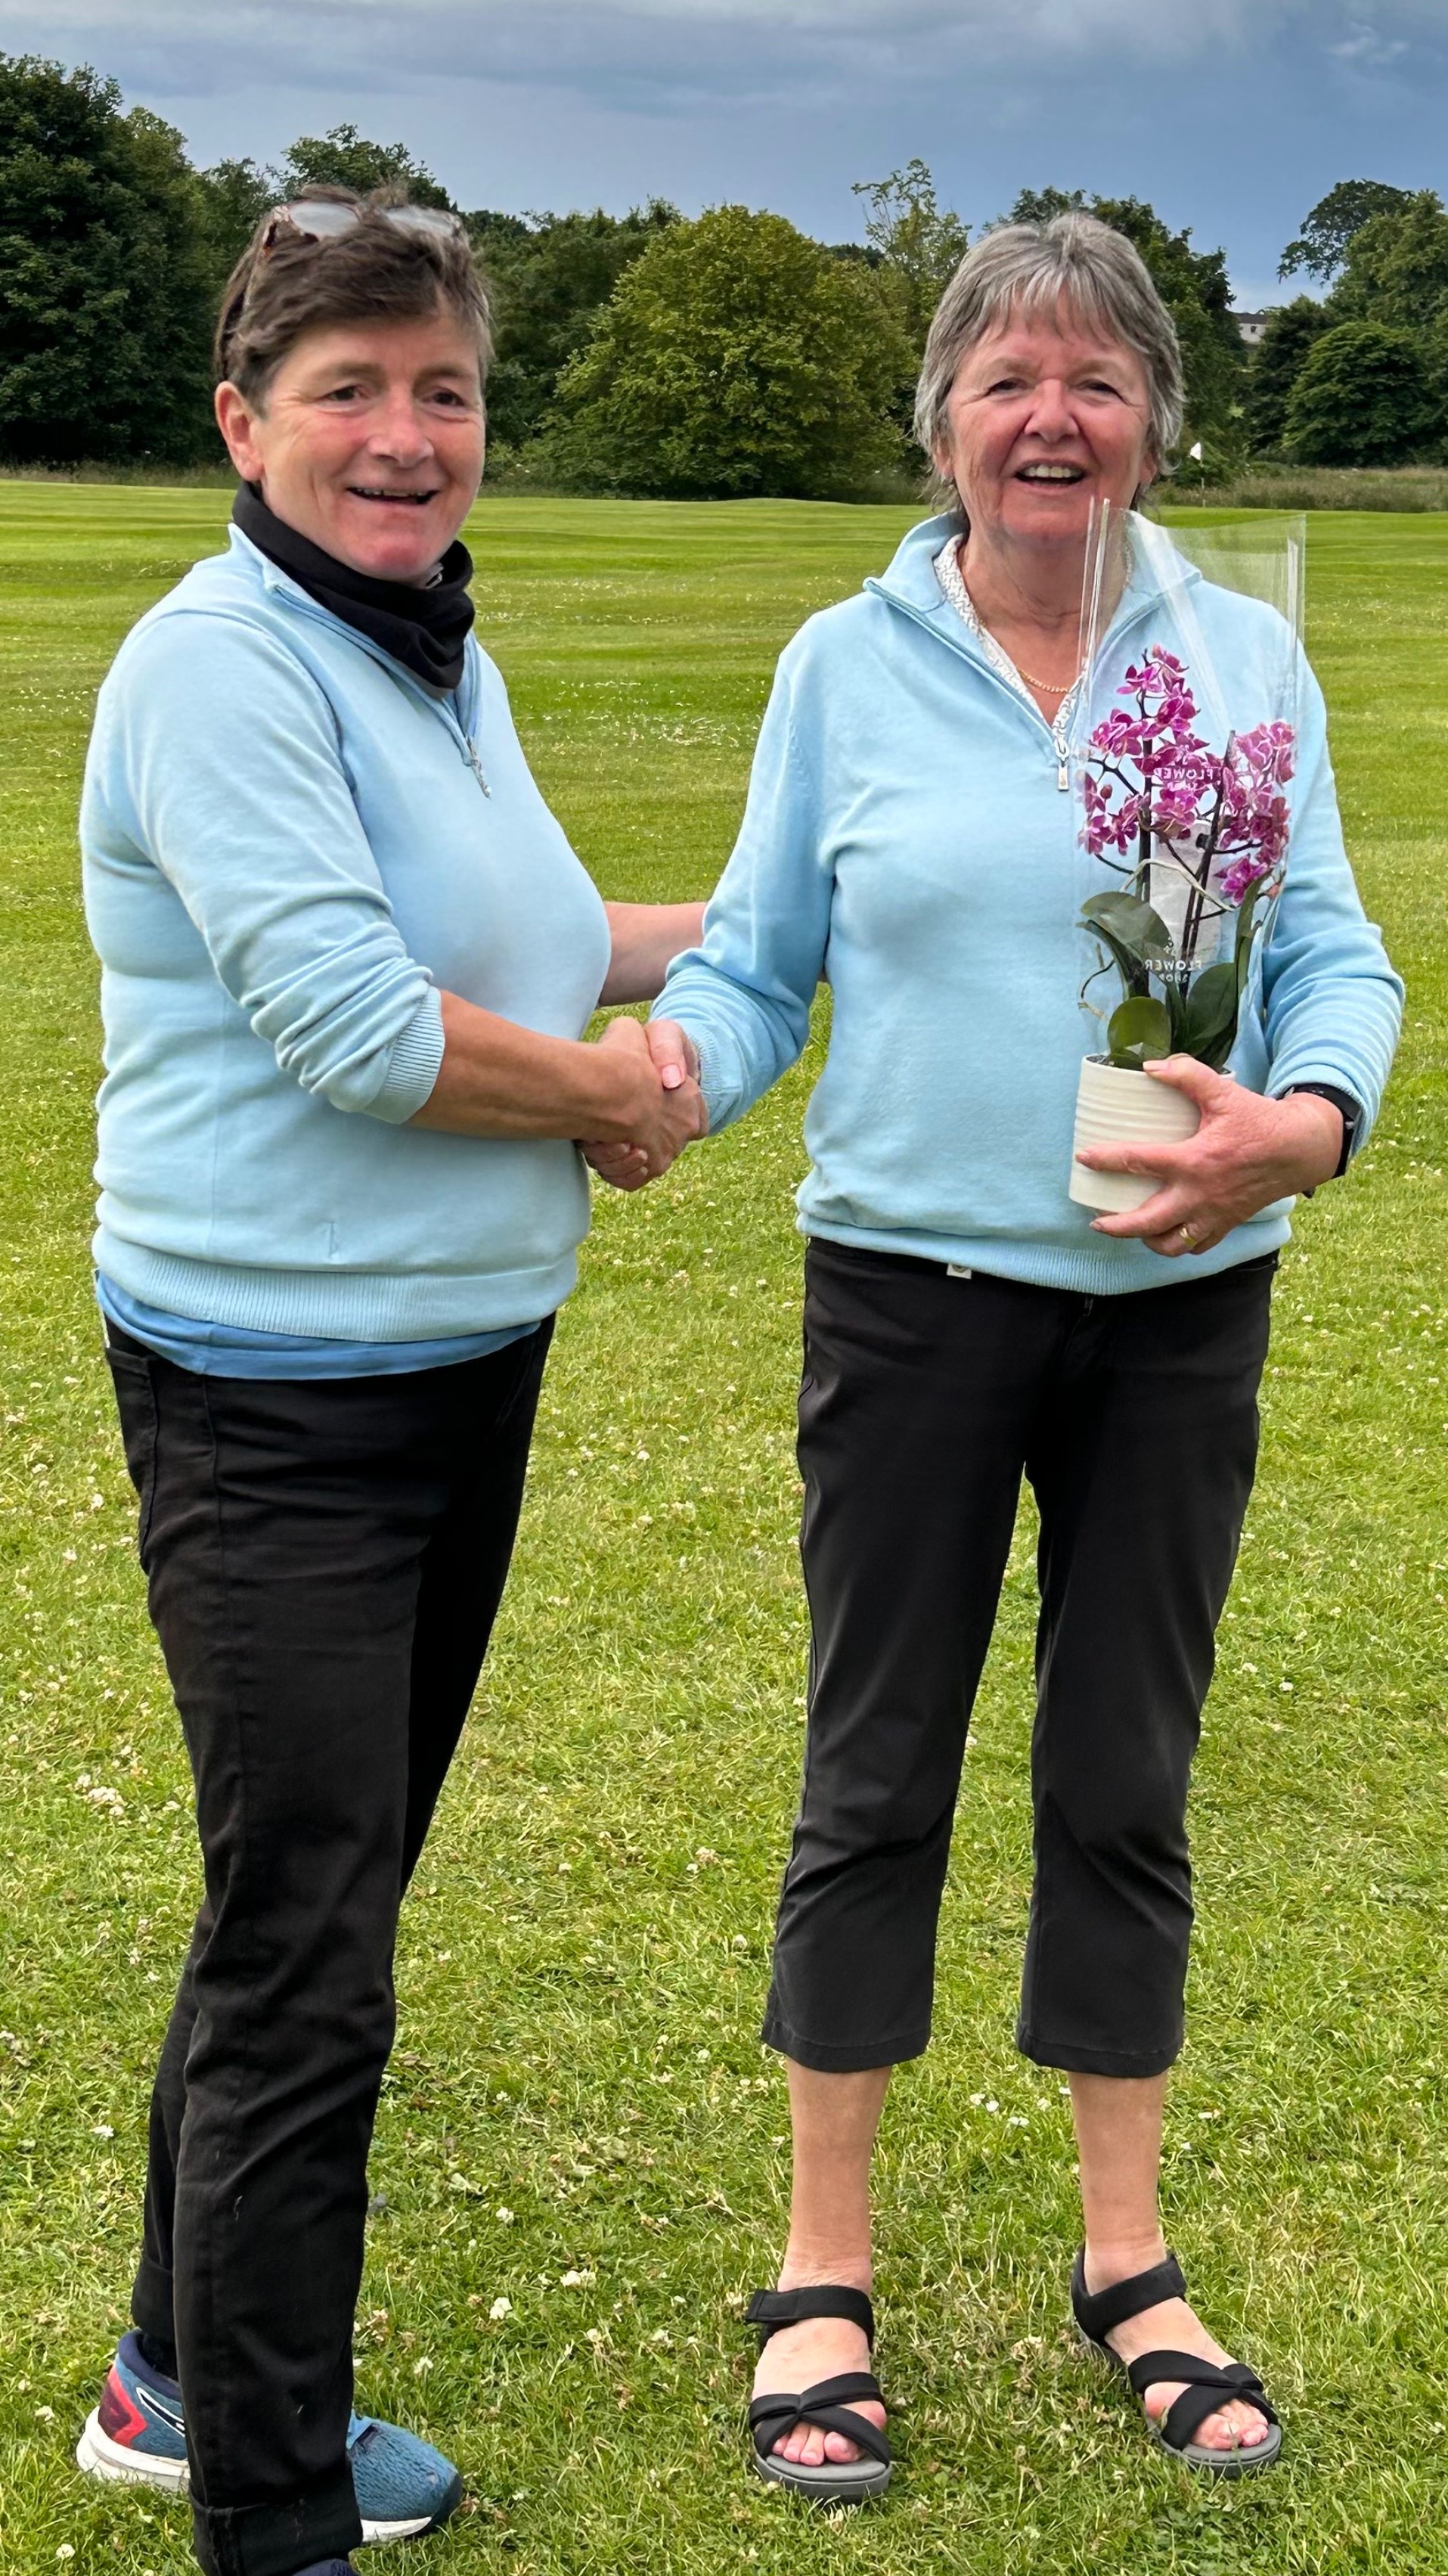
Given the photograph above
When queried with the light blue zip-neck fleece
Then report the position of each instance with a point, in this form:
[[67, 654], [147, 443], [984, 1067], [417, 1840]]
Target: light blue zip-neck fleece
[[291, 848], [905, 836]]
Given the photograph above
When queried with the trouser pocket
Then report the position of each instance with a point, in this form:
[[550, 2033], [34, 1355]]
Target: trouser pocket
[[136, 1404]]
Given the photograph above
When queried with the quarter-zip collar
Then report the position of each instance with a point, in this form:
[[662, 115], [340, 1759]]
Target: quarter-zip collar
[[425, 625], [910, 584], [457, 709]]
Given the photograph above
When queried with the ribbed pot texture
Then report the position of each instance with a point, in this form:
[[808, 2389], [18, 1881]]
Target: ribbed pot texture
[[1117, 1108]]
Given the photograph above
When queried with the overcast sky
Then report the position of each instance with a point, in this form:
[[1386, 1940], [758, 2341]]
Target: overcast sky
[[1232, 116]]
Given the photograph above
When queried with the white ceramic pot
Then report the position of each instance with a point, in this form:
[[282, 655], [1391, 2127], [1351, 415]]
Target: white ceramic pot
[[1124, 1108]]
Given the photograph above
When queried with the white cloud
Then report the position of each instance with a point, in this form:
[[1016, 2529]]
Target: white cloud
[[1366, 50]]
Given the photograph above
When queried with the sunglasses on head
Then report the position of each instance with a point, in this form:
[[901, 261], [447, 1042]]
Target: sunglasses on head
[[323, 218]]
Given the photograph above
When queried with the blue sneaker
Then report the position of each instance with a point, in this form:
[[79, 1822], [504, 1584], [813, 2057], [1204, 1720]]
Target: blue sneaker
[[136, 2432], [403, 2486]]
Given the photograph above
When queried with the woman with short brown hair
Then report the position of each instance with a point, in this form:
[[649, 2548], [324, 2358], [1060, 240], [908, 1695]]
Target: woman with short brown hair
[[348, 962]]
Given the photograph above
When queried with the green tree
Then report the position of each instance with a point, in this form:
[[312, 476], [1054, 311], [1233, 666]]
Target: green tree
[[735, 357], [233, 197], [1322, 245], [550, 277], [105, 276], [1435, 358], [1276, 362], [1043, 205], [487, 227], [1395, 268], [1194, 286], [918, 243], [1363, 397], [343, 158]]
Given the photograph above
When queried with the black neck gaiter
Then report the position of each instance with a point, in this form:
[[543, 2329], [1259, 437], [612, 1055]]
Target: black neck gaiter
[[424, 630]]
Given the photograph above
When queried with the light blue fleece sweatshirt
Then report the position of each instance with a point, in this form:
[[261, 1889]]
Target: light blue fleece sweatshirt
[[290, 849], [905, 836]]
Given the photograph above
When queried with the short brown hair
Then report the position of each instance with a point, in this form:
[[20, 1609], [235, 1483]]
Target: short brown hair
[[374, 272]]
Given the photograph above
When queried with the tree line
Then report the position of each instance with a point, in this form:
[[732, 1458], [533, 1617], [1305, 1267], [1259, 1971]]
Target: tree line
[[649, 353], [1359, 377]]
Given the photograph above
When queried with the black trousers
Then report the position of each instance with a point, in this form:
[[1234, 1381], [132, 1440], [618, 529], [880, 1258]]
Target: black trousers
[[325, 1561], [925, 1400]]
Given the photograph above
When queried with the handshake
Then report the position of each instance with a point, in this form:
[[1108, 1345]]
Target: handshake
[[670, 1110]]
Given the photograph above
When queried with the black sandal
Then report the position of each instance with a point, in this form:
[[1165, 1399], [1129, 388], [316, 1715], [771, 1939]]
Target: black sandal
[[1209, 2383], [773, 2418]]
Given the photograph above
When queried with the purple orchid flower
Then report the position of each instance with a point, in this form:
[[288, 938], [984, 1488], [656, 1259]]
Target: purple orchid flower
[[1244, 873], [1202, 833], [1231, 803]]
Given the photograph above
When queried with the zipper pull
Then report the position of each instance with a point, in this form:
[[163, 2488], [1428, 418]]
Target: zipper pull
[[476, 766], [1062, 781]]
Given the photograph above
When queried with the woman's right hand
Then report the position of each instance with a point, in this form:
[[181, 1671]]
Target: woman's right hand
[[499, 1079], [670, 1109]]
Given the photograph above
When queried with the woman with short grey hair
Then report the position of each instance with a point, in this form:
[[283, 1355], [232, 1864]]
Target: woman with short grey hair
[[906, 833], [1019, 269]]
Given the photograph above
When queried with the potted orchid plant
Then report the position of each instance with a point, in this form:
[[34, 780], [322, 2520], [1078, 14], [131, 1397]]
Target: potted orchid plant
[[1190, 814]]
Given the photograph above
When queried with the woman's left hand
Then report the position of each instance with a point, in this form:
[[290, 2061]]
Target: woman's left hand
[[1247, 1152]]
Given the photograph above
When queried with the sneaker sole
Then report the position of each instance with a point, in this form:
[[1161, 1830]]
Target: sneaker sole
[[100, 2457], [375, 2535]]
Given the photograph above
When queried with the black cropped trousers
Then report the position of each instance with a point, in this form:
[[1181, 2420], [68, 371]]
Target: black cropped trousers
[[325, 1560], [925, 1400]]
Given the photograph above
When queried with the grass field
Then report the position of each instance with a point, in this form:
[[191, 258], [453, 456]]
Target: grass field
[[579, 2119], [1397, 488], [1256, 485]]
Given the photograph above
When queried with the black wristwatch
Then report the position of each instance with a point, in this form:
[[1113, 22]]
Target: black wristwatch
[[1352, 1117]]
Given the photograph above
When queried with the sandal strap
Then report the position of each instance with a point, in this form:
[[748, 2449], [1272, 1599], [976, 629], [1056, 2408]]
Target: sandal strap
[[829, 2404], [1209, 2385], [1187, 2414], [847, 2388], [1236, 2377], [1098, 2312], [771, 2309]]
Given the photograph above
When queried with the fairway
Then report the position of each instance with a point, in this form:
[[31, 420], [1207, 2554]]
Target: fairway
[[577, 2176]]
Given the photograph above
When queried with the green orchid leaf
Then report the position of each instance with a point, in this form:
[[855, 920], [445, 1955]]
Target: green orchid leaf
[[1128, 923], [1209, 1022], [1247, 927], [1135, 976], [1139, 1031]]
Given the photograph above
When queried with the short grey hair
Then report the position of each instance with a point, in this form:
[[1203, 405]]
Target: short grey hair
[[1075, 259]]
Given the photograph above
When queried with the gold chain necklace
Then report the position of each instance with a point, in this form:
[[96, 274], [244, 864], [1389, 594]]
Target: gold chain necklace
[[1053, 688], [956, 580]]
